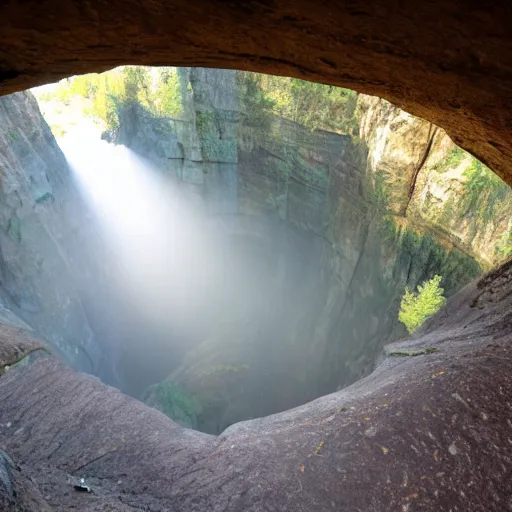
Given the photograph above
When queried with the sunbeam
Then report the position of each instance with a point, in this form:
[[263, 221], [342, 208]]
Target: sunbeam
[[167, 260]]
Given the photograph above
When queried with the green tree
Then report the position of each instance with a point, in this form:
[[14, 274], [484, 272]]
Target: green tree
[[167, 98], [255, 105], [416, 307]]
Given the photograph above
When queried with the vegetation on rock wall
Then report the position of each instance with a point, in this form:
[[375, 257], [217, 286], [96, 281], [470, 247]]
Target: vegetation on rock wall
[[416, 307], [485, 193], [416, 172], [255, 106], [424, 256], [454, 158], [175, 402], [157, 89], [465, 198], [313, 105], [504, 247]]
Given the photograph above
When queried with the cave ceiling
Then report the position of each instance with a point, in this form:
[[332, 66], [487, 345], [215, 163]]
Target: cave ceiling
[[448, 61]]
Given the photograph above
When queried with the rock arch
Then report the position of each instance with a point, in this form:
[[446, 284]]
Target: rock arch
[[428, 430], [447, 61]]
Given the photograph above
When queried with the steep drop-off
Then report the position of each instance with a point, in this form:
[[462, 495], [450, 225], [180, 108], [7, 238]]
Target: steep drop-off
[[423, 432], [42, 251], [333, 226], [343, 221]]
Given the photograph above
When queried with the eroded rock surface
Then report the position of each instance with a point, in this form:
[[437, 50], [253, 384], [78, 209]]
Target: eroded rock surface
[[17, 492], [422, 432]]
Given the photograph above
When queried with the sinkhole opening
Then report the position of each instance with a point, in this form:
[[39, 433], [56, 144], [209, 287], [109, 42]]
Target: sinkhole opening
[[225, 245]]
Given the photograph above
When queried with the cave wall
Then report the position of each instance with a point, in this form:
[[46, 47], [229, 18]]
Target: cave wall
[[41, 246]]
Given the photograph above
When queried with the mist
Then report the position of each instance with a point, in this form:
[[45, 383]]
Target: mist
[[184, 277], [246, 241], [165, 257]]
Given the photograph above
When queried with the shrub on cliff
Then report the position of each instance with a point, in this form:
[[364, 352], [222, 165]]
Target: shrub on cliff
[[175, 402], [416, 307]]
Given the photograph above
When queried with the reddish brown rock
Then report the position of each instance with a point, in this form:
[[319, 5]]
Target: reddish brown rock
[[17, 492]]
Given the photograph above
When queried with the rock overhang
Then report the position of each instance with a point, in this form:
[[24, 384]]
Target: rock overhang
[[448, 62]]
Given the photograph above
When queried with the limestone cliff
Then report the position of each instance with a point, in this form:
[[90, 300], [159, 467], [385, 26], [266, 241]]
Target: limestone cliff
[[433, 184], [40, 250], [342, 222]]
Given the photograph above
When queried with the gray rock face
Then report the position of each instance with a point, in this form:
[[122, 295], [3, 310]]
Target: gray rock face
[[304, 206], [422, 432], [17, 492], [40, 218]]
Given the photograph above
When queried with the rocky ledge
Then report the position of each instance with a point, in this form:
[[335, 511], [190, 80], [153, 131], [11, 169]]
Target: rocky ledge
[[428, 429]]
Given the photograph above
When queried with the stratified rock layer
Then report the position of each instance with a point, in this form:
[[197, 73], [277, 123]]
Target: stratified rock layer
[[334, 227], [428, 430]]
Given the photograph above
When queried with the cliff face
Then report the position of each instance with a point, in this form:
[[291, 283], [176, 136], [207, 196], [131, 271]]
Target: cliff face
[[433, 184], [343, 222], [40, 250]]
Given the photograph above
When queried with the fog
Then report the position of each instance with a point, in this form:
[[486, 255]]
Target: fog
[[246, 254], [165, 256], [180, 276]]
